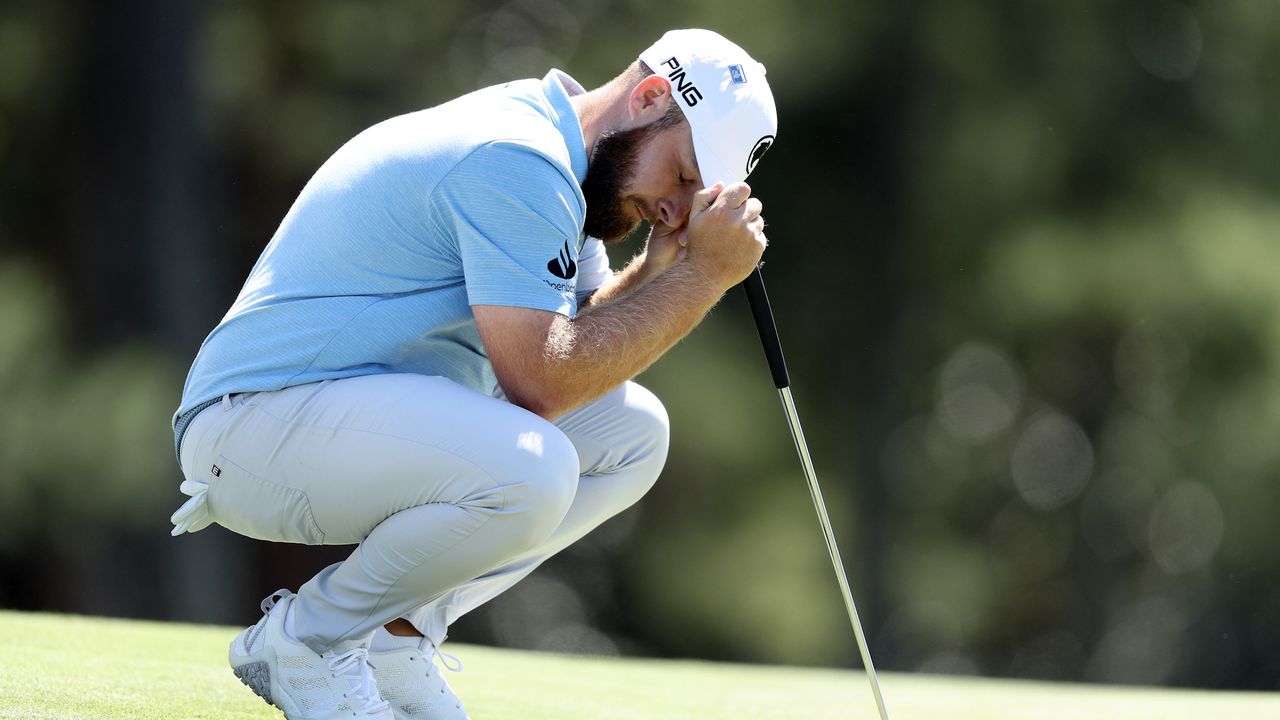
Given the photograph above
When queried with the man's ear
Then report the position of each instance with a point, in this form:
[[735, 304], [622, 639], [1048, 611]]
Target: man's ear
[[648, 100]]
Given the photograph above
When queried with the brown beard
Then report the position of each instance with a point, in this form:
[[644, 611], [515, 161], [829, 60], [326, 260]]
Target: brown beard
[[610, 170]]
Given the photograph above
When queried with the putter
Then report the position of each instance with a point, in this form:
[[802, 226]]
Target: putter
[[763, 315]]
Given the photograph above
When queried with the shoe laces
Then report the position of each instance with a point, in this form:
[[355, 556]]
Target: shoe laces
[[452, 663], [354, 667]]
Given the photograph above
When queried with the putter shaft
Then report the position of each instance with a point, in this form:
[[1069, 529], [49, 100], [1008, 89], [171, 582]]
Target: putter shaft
[[772, 344], [815, 492]]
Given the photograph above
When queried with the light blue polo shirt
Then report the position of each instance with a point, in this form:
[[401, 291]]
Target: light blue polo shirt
[[376, 265]]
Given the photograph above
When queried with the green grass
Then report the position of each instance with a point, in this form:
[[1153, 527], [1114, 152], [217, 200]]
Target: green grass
[[64, 667]]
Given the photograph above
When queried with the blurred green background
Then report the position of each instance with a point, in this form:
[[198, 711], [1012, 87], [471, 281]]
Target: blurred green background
[[1025, 259]]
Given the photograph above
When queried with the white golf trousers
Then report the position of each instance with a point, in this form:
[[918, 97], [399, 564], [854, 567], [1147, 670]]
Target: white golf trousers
[[453, 496]]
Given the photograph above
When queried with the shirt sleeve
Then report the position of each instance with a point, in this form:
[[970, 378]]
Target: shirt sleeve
[[516, 219], [593, 268]]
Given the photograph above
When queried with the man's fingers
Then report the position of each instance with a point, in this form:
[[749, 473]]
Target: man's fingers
[[703, 198], [752, 208], [734, 195]]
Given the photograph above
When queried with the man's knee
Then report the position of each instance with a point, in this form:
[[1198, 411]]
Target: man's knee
[[545, 482], [648, 427], [643, 439]]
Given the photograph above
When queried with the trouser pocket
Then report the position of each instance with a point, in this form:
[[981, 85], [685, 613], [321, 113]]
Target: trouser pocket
[[258, 508]]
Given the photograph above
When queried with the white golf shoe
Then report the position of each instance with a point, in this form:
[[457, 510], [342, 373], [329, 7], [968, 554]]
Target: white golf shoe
[[302, 683], [409, 679]]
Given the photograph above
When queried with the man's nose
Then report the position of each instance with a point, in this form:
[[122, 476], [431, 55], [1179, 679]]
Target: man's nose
[[673, 210]]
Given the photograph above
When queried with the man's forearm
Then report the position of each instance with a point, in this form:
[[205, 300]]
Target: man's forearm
[[620, 337], [550, 364]]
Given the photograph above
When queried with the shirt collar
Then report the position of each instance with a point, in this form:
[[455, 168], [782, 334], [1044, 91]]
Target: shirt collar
[[559, 87]]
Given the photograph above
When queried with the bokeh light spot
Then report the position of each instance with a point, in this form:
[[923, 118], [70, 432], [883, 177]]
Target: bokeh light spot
[[979, 393], [1186, 528], [1052, 461], [1141, 644]]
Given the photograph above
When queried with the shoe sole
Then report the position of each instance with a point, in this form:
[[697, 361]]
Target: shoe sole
[[254, 670], [257, 677]]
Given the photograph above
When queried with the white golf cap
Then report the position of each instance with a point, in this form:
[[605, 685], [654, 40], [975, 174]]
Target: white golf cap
[[725, 97]]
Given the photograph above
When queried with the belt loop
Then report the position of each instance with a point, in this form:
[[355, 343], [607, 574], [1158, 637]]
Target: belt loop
[[226, 401]]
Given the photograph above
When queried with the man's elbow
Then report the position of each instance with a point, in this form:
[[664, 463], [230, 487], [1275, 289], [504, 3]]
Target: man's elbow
[[536, 400]]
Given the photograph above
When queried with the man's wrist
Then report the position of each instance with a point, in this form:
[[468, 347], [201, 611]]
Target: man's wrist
[[647, 267], [694, 281]]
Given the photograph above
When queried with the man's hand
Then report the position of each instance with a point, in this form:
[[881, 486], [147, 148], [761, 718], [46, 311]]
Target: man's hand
[[730, 220], [725, 235], [665, 246]]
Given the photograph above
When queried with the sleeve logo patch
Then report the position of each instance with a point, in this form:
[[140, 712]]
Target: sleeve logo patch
[[563, 266], [737, 75]]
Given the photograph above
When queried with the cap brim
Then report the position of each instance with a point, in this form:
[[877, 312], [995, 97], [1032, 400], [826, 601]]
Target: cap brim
[[710, 170]]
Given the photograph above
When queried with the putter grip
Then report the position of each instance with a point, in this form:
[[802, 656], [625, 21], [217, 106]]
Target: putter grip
[[763, 314]]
